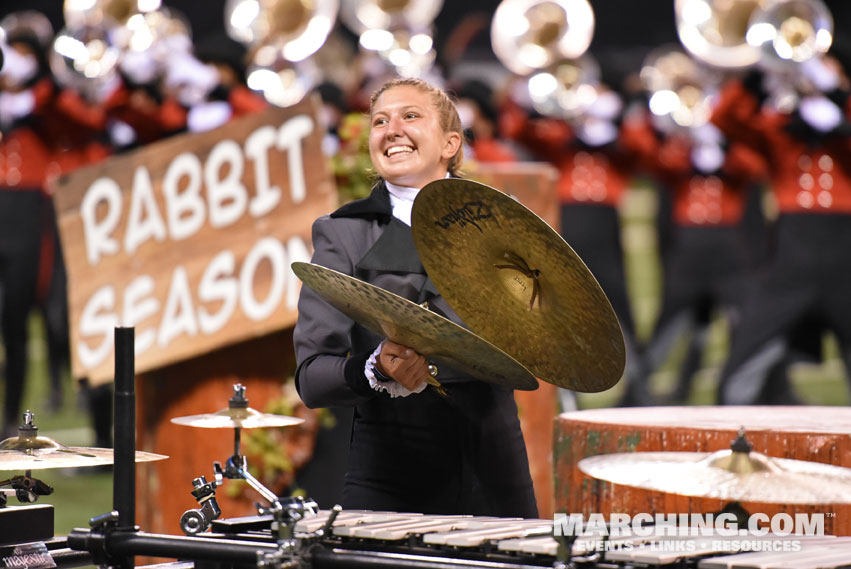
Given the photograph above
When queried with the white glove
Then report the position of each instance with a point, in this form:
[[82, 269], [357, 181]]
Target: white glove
[[15, 105], [191, 79], [394, 388], [17, 67], [606, 105], [139, 66], [207, 116], [121, 133], [596, 132], [823, 77], [707, 157], [820, 113]]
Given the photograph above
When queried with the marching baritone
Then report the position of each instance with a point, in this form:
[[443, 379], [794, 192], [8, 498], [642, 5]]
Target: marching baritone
[[412, 449]]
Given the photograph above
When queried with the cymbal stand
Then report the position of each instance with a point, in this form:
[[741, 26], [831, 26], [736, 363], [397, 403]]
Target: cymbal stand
[[26, 488], [285, 512]]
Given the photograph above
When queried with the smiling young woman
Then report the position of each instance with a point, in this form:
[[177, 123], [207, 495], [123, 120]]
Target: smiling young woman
[[411, 449]]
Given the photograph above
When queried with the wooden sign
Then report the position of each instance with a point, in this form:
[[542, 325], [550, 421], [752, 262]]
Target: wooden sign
[[190, 239]]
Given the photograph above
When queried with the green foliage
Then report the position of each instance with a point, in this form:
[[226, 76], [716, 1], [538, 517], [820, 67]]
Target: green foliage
[[352, 166]]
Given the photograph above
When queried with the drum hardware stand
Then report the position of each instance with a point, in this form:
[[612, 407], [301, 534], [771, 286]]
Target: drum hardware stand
[[26, 488], [564, 553], [285, 513], [114, 539]]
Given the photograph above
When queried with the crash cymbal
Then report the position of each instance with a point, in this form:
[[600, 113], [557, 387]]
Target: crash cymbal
[[229, 418], [516, 283], [237, 415], [29, 451], [437, 338], [25, 453], [725, 475]]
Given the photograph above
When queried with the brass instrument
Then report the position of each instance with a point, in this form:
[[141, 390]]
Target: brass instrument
[[546, 41], [28, 21], [85, 57], [98, 12], [363, 15], [566, 89], [280, 81], [529, 35], [740, 33], [680, 89], [283, 34], [792, 30], [399, 31], [408, 51], [298, 27]]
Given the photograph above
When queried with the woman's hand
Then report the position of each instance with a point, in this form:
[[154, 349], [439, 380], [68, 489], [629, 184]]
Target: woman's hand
[[403, 364]]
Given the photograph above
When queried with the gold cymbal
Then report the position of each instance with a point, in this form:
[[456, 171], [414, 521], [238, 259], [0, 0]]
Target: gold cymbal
[[237, 418], [725, 475], [516, 283], [37, 453], [437, 338]]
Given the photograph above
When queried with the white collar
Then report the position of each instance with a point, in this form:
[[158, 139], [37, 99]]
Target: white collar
[[402, 192], [402, 200]]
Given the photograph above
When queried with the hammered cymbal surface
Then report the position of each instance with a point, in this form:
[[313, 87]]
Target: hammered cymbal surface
[[437, 338], [464, 231], [38, 453], [775, 481], [239, 417]]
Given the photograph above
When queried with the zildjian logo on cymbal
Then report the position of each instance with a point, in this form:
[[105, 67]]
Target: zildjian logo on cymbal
[[469, 213]]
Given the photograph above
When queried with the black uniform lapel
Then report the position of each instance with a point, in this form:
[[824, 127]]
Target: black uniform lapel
[[394, 251]]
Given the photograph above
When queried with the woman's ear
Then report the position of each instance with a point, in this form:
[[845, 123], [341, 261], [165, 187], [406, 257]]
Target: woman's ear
[[451, 146]]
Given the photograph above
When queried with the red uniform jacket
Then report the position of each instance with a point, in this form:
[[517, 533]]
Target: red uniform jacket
[[698, 199], [586, 175], [805, 178]]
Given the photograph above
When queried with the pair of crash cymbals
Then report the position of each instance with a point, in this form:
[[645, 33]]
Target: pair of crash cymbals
[[738, 474], [532, 306]]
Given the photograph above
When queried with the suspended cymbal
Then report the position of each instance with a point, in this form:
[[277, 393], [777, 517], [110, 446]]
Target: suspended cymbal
[[725, 475], [437, 338], [242, 418], [516, 283], [37, 453]]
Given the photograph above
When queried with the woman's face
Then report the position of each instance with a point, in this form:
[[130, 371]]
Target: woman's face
[[407, 145]]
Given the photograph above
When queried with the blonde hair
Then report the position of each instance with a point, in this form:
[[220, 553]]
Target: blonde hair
[[447, 113]]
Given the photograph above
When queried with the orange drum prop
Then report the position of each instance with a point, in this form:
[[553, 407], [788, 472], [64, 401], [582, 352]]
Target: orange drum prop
[[817, 434]]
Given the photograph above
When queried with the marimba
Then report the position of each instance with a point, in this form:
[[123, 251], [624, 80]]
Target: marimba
[[392, 539]]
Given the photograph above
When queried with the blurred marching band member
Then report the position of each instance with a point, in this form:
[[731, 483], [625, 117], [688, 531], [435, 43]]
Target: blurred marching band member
[[210, 89], [137, 111], [709, 255], [480, 119], [45, 131], [808, 151], [25, 90]]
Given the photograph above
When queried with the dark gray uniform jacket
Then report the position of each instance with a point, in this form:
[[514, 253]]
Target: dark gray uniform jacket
[[463, 454]]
